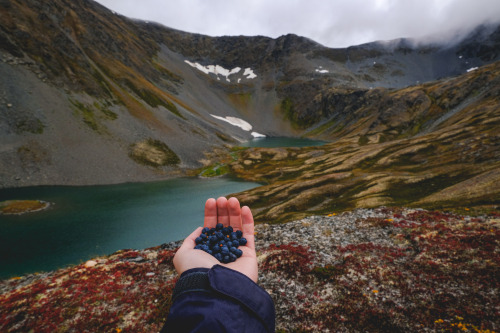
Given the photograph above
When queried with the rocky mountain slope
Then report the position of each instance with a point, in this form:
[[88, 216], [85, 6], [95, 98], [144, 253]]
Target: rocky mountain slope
[[88, 96]]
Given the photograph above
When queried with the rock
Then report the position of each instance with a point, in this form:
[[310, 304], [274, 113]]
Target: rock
[[136, 259], [90, 263]]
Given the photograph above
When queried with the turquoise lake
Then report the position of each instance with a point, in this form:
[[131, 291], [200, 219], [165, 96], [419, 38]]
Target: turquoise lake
[[88, 221]]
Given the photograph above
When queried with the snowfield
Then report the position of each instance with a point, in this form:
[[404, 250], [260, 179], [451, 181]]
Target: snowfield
[[218, 70], [321, 70], [239, 123]]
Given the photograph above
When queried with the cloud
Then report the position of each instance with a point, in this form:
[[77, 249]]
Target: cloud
[[337, 23]]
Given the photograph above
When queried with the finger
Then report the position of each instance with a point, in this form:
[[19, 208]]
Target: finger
[[222, 213], [247, 227], [234, 213], [210, 213]]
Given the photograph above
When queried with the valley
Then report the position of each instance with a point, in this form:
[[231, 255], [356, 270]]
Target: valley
[[89, 97], [114, 131]]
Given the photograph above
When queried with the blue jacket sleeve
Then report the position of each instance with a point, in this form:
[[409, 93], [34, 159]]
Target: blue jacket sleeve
[[219, 300]]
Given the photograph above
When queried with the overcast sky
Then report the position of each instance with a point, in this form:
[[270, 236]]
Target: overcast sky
[[333, 23]]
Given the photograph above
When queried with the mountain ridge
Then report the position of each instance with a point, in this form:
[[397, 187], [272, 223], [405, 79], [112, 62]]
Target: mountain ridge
[[84, 91]]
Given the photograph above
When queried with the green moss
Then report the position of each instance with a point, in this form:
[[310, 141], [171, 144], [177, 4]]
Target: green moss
[[107, 112], [287, 109], [238, 148], [215, 171], [322, 128], [87, 114], [328, 273]]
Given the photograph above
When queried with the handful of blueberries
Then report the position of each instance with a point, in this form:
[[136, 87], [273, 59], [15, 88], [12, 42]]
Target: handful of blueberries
[[221, 242]]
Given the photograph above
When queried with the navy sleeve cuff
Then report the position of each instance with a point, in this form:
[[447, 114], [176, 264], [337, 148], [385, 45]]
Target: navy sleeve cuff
[[230, 284], [242, 289]]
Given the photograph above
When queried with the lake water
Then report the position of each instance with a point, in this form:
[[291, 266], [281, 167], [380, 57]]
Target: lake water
[[274, 142], [85, 222], [89, 221]]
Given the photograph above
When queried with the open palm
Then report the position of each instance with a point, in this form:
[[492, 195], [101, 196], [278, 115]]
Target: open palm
[[229, 213]]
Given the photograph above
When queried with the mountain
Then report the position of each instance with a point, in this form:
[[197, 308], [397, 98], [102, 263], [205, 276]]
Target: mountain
[[434, 145], [90, 97]]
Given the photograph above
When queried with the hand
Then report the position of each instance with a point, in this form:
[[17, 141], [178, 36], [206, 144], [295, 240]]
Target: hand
[[229, 213]]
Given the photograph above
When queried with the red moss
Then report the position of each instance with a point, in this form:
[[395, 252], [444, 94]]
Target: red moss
[[99, 299], [289, 259]]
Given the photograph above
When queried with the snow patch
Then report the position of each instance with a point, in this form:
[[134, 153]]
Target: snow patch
[[235, 122], [239, 123], [472, 69], [258, 135], [249, 73], [321, 70], [221, 71]]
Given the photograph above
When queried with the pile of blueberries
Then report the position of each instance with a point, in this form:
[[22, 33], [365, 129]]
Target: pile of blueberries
[[221, 242]]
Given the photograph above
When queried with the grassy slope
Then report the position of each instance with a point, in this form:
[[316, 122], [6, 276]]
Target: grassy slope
[[451, 159]]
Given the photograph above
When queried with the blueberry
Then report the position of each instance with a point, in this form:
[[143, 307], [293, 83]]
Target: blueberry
[[238, 253], [220, 242]]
